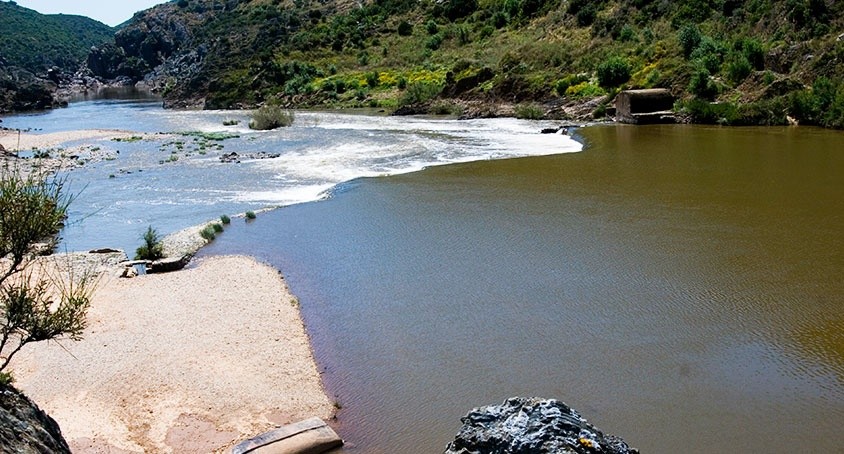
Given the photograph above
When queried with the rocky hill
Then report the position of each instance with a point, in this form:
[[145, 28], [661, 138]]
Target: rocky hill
[[38, 51], [763, 60]]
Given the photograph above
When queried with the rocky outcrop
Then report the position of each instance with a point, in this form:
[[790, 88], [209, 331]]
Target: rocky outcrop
[[25, 428], [21, 90], [532, 426]]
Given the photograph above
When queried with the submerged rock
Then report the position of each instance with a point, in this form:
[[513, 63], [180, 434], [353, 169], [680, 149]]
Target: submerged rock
[[532, 426], [25, 428]]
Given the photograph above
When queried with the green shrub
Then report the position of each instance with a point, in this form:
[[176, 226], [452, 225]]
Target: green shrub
[[372, 79], [418, 92], [702, 86], [218, 228], [402, 83], [225, 219], [152, 248], [738, 68], [230, 122], [405, 28], [208, 233], [613, 72], [572, 79], [250, 215], [689, 37], [434, 42], [270, 117], [431, 27], [529, 111], [585, 90]]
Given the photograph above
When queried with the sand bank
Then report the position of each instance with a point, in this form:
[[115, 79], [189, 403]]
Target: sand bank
[[27, 140], [186, 362]]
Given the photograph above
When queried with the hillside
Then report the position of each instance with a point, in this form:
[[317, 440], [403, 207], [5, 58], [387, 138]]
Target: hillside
[[37, 42], [37, 50]]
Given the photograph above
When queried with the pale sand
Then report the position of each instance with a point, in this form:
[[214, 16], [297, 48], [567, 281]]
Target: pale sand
[[28, 140], [185, 362]]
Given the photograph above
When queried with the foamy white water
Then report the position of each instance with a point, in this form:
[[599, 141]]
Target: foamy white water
[[144, 186]]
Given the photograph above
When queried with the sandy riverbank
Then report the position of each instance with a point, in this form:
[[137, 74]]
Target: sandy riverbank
[[185, 362], [59, 156]]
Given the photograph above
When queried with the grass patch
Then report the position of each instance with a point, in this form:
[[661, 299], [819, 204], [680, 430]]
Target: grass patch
[[152, 247], [208, 233]]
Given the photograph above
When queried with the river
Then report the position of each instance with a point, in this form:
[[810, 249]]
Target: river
[[679, 285]]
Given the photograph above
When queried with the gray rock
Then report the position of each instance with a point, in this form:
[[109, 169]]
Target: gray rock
[[25, 428], [532, 426]]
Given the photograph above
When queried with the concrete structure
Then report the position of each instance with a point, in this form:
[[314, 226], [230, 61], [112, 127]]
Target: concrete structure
[[645, 106]]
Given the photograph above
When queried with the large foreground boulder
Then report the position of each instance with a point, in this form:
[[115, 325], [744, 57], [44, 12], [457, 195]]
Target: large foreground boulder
[[532, 426], [25, 428]]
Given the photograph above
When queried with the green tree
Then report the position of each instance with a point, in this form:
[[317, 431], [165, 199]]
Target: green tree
[[35, 305]]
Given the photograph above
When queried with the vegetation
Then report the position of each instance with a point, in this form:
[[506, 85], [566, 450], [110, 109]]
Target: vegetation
[[270, 117], [37, 42], [225, 219], [218, 228], [35, 305], [208, 233], [152, 247], [250, 215]]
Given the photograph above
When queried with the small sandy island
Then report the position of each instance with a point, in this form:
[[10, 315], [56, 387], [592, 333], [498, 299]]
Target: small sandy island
[[185, 362]]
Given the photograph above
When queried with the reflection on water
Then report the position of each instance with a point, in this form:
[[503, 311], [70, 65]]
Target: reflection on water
[[681, 286]]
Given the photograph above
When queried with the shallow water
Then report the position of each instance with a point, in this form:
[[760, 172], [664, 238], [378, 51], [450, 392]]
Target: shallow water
[[119, 198], [680, 286]]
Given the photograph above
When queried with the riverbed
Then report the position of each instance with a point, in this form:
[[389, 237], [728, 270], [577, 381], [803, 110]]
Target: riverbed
[[679, 285]]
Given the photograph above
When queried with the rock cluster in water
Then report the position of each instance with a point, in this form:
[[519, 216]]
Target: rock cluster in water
[[532, 426], [25, 428]]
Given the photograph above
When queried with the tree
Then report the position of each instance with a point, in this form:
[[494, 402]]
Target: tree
[[35, 303]]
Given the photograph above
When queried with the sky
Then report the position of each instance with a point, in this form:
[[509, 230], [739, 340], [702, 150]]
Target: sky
[[109, 12]]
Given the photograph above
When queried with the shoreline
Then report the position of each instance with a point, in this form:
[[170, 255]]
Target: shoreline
[[189, 361]]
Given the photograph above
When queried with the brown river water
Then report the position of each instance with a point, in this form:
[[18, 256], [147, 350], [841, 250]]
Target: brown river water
[[681, 286]]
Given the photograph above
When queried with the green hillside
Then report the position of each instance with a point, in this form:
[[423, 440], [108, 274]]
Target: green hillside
[[37, 42], [761, 59]]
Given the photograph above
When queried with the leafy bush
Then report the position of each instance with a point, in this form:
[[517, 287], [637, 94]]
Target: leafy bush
[[270, 117], [689, 37], [208, 233], [434, 42], [529, 111], [152, 247], [250, 215], [584, 90], [738, 68], [613, 72], [225, 219], [431, 27], [218, 228], [405, 28], [563, 84], [35, 306], [702, 86], [418, 92]]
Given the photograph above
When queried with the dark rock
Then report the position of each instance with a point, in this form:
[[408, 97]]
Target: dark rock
[[532, 426], [104, 251], [235, 158], [25, 428], [169, 264]]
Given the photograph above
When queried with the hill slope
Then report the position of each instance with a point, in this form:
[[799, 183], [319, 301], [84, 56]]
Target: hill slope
[[759, 57], [37, 42]]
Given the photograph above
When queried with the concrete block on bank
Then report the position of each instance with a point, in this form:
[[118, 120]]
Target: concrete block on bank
[[311, 436]]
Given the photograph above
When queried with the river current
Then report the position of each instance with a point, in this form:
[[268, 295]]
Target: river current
[[679, 285], [117, 199]]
